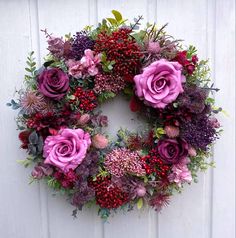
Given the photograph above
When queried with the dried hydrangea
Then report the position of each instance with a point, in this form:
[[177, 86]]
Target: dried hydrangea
[[122, 161]]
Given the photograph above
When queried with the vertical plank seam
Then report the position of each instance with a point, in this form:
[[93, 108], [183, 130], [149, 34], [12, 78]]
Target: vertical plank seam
[[211, 43], [35, 43], [214, 78]]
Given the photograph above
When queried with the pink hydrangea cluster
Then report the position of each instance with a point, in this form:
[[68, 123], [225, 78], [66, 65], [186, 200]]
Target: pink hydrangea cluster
[[87, 66], [180, 174], [122, 161]]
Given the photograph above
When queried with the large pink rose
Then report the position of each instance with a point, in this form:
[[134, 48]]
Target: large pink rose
[[67, 149], [160, 83]]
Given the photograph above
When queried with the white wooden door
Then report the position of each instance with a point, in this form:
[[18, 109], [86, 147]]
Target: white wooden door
[[203, 210]]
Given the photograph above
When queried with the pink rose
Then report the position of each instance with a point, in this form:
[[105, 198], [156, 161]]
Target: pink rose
[[67, 149], [160, 83], [100, 141]]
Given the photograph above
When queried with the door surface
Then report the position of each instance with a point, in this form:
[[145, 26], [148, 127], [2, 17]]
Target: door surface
[[203, 210]]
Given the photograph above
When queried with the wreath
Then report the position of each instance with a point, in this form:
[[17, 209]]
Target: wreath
[[62, 126]]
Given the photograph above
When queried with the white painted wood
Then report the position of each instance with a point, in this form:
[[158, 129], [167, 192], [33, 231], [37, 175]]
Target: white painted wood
[[20, 214], [204, 210]]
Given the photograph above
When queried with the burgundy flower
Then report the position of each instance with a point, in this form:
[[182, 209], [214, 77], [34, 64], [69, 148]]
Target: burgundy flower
[[188, 64], [24, 138], [172, 151], [53, 83]]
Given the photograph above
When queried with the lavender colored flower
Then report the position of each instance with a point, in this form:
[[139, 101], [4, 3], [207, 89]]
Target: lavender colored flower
[[122, 161], [80, 43], [199, 132], [56, 46], [99, 120], [83, 196], [41, 170]]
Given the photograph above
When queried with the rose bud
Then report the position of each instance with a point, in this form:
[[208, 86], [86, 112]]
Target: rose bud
[[141, 191], [99, 141], [171, 131], [84, 119], [192, 152]]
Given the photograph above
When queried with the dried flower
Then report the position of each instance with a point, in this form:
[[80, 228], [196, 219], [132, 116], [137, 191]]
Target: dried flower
[[122, 161], [192, 152], [84, 119], [32, 102], [180, 174], [41, 170], [99, 141], [172, 131], [198, 132], [193, 99], [159, 201], [109, 83], [108, 194], [80, 43]]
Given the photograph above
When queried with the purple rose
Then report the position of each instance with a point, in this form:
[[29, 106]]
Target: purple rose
[[67, 149], [53, 83], [172, 151], [160, 83]]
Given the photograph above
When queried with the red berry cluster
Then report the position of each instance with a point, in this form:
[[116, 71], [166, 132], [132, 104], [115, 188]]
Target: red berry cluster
[[40, 121], [120, 47], [86, 99], [188, 64], [67, 180], [108, 195], [154, 164]]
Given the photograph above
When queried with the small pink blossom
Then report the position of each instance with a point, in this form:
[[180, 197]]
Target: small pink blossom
[[84, 67], [75, 68], [192, 152], [84, 119], [99, 141], [90, 62], [180, 174]]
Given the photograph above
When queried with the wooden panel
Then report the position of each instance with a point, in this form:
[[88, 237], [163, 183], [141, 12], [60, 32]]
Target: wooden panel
[[223, 203], [20, 215]]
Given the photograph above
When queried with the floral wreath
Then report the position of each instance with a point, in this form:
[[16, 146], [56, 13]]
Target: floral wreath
[[62, 128]]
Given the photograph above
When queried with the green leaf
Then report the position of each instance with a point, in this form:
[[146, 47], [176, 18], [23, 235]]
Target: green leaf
[[117, 15], [28, 70], [140, 203], [105, 96], [112, 21]]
